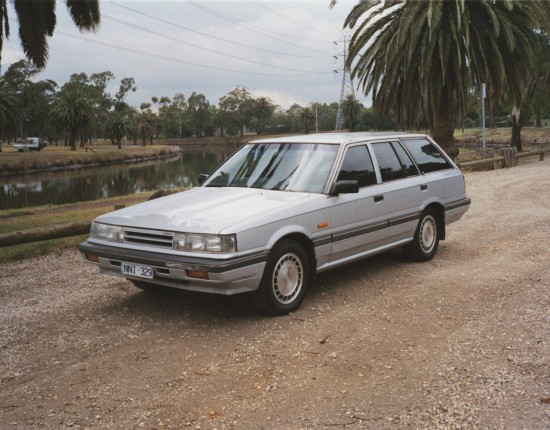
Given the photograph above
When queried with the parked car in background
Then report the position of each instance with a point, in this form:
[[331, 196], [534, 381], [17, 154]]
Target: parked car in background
[[30, 144], [281, 210]]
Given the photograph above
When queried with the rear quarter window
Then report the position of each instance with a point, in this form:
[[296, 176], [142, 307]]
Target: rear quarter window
[[393, 166], [428, 158]]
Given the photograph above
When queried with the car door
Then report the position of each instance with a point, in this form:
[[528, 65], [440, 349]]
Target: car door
[[359, 221], [401, 191]]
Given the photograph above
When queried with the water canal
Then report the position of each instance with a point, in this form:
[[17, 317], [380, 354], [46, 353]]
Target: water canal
[[74, 186]]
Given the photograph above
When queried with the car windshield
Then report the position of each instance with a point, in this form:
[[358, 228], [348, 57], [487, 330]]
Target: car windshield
[[277, 166]]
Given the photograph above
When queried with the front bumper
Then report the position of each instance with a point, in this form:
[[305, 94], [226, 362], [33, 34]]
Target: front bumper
[[225, 276]]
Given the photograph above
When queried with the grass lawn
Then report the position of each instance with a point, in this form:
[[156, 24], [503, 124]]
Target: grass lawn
[[14, 220]]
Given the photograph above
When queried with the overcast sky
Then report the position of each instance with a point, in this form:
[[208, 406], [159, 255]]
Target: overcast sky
[[284, 50]]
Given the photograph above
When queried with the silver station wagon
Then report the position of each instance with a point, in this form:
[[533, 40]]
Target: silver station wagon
[[281, 210]]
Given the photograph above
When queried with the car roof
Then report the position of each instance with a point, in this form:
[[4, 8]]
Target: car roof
[[338, 137]]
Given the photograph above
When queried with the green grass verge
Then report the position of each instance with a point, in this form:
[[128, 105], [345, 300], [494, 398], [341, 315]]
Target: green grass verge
[[14, 220]]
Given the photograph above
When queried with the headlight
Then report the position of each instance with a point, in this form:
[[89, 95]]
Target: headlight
[[112, 233], [205, 243]]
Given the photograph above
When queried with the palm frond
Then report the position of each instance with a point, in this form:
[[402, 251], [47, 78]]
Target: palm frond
[[36, 22], [85, 13]]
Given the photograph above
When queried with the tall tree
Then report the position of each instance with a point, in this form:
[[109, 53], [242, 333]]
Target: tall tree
[[199, 113], [351, 109], [71, 113], [418, 56], [307, 119], [37, 22], [33, 98], [146, 123], [239, 106], [126, 85], [93, 89], [172, 116], [538, 88], [264, 110], [9, 116], [117, 127]]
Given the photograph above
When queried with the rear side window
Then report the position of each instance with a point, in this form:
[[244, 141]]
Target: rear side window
[[409, 169], [357, 166], [427, 156], [388, 161]]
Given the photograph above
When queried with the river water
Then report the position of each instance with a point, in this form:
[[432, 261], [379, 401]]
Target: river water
[[110, 181]]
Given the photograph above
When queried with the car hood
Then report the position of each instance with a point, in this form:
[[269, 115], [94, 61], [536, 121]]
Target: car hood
[[212, 210]]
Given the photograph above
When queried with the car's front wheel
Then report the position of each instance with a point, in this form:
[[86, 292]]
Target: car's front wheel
[[426, 238], [285, 279]]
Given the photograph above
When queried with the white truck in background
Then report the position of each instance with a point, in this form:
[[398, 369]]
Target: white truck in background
[[30, 144]]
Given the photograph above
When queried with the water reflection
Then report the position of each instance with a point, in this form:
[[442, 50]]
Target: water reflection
[[102, 182]]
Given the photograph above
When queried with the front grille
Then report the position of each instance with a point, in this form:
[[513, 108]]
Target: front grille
[[162, 239]]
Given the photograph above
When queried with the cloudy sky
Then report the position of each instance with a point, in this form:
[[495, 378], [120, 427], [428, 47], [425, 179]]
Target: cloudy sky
[[285, 50]]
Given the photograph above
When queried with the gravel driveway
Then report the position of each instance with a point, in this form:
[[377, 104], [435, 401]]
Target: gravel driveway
[[462, 341]]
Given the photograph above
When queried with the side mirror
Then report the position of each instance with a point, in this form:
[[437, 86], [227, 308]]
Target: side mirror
[[344, 187], [202, 177]]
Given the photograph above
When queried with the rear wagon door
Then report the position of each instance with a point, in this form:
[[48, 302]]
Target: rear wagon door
[[402, 190]]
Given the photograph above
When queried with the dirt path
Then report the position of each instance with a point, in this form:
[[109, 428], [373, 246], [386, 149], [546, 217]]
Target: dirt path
[[462, 341]]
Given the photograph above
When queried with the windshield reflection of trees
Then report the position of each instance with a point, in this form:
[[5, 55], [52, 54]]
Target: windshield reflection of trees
[[278, 166]]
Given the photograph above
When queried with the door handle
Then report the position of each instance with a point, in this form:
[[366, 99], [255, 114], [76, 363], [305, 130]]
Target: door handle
[[423, 187], [378, 199]]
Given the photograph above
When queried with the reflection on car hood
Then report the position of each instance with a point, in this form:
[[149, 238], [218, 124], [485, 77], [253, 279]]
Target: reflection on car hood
[[209, 210]]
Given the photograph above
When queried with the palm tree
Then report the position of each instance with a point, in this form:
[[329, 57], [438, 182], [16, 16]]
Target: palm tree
[[264, 110], [37, 22], [420, 56], [117, 127], [72, 113], [146, 126], [307, 118], [351, 109]]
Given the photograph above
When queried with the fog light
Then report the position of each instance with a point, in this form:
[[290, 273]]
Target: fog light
[[196, 274], [92, 258]]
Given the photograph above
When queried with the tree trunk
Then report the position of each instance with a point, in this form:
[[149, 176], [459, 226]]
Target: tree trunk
[[72, 141], [443, 124], [538, 120], [44, 233], [516, 129]]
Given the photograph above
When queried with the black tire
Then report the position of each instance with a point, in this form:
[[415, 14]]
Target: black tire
[[285, 280], [148, 287], [426, 238]]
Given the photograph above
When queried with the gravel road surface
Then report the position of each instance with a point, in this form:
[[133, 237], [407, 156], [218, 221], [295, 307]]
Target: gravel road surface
[[460, 342]]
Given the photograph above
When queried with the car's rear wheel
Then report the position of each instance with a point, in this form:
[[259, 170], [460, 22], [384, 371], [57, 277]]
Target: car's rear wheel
[[285, 279], [426, 238]]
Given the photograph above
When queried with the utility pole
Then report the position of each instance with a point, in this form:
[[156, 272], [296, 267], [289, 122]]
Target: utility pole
[[347, 89]]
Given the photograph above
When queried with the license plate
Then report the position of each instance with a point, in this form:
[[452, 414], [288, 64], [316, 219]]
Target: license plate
[[136, 270]]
